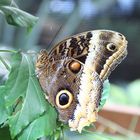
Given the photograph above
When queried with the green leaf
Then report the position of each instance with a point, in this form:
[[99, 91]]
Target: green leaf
[[43, 126], [17, 17], [5, 134], [105, 93], [23, 84], [3, 111], [5, 2]]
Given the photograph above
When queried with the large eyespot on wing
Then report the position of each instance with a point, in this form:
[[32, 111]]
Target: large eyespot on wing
[[64, 99], [62, 85]]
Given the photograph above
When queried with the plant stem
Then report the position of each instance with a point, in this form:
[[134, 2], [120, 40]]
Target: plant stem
[[133, 125], [117, 127], [62, 133], [11, 51], [4, 63]]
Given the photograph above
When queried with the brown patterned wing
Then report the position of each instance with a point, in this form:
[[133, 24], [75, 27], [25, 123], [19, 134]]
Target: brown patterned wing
[[76, 46], [73, 72], [98, 44]]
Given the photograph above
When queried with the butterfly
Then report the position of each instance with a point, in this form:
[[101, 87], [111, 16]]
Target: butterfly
[[73, 72]]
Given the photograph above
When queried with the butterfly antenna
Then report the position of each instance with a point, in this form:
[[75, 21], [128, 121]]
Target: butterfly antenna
[[52, 41]]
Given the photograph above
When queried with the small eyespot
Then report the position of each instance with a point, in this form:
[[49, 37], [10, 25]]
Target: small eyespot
[[74, 66], [111, 47], [64, 99], [120, 34]]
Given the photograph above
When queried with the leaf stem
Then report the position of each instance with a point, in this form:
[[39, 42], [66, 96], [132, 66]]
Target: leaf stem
[[117, 127], [4, 63], [11, 51]]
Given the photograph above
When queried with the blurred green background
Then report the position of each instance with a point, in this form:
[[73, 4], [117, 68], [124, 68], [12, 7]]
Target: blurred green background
[[59, 19]]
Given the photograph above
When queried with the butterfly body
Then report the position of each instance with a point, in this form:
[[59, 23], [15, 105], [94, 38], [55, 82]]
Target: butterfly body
[[73, 72]]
